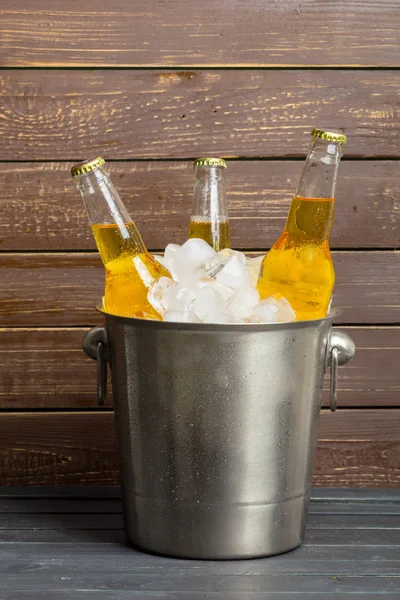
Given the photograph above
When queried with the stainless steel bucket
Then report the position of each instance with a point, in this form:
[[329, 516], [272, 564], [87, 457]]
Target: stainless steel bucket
[[217, 428]]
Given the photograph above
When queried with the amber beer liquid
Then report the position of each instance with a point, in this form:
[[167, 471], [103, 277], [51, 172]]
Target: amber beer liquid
[[129, 269], [209, 220], [299, 265], [216, 234], [129, 272]]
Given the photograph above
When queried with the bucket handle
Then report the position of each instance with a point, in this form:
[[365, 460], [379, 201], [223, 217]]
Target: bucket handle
[[95, 345], [340, 351]]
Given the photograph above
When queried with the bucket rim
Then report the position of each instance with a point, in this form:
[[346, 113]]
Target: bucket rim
[[237, 327]]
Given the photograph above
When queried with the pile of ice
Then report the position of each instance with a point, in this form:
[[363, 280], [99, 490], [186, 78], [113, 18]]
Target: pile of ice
[[211, 287]]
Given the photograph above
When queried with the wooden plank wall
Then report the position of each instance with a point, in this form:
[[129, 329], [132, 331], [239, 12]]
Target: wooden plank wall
[[152, 85]]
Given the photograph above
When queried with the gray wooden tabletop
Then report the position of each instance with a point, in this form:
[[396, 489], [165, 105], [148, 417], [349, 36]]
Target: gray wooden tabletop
[[68, 543]]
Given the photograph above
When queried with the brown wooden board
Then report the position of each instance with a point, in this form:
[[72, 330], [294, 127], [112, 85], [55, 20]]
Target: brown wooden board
[[190, 33], [64, 289], [64, 114], [356, 448], [46, 368], [42, 209]]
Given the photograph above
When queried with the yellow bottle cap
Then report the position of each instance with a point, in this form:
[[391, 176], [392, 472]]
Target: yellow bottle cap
[[210, 162], [329, 136], [87, 166]]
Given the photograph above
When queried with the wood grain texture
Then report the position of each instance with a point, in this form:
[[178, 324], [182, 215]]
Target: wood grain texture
[[57, 114], [65, 566], [126, 562], [180, 112], [68, 543], [42, 210], [64, 289], [352, 535], [46, 368], [316, 573], [363, 585], [186, 33], [34, 501], [356, 448], [319, 496]]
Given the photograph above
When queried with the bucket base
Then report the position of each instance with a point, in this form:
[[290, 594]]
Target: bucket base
[[218, 532]]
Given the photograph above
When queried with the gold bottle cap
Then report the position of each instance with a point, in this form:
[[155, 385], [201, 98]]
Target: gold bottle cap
[[329, 136], [87, 166], [210, 162]]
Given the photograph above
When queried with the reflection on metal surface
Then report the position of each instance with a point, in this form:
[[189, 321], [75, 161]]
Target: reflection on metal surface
[[217, 428]]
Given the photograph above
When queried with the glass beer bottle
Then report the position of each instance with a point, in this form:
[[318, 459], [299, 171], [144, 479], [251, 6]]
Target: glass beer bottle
[[130, 269], [299, 265], [209, 220]]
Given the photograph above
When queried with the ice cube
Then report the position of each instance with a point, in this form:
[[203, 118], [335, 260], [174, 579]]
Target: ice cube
[[201, 280], [184, 295], [174, 315], [170, 252], [274, 310], [234, 274], [217, 316], [170, 257], [285, 312], [207, 300], [265, 312], [225, 291], [253, 267], [181, 316], [243, 302], [159, 293], [252, 319], [233, 319], [228, 253], [223, 256], [195, 253], [220, 316], [185, 261], [166, 294]]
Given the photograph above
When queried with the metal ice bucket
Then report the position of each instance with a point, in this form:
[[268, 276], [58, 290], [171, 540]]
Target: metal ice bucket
[[217, 428]]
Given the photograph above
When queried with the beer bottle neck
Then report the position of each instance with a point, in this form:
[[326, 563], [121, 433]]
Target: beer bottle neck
[[209, 202], [104, 205], [318, 178], [102, 202]]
